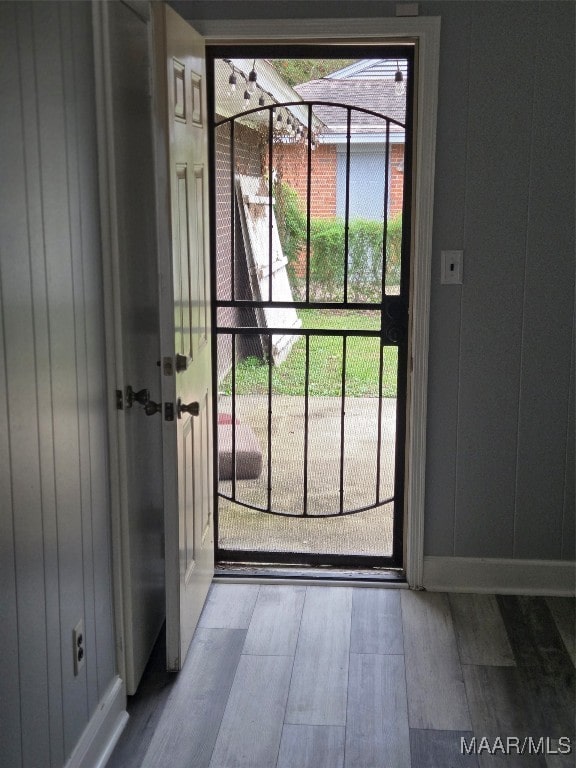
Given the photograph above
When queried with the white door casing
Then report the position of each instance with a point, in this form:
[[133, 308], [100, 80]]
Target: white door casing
[[126, 171], [179, 99]]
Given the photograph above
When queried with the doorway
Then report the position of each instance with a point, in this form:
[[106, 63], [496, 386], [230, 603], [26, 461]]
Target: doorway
[[311, 199]]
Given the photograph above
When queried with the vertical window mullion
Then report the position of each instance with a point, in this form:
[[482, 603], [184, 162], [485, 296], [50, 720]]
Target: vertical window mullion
[[342, 416], [347, 203], [306, 414]]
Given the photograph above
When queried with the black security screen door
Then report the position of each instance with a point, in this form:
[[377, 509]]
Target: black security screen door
[[310, 196]]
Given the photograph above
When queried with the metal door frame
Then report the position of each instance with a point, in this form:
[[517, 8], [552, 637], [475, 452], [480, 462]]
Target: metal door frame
[[391, 306]]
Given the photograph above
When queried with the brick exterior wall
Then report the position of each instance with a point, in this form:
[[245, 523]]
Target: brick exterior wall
[[291, 163], [396, 178], [248, 150]]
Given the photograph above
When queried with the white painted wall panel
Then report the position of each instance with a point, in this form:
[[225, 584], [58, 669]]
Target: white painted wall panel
[[446, 301], [548, 299], [55, 508], [498, 172], [569, 505]]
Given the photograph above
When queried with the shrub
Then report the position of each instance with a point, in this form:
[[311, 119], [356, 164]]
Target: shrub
[[327, 247]]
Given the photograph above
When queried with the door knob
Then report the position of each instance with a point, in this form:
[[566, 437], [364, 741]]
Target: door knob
[[142, 396], [192, 408], [151, 408]]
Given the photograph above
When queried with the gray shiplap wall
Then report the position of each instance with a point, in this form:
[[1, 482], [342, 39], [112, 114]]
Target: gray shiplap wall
[[54, 521], [500, 466]]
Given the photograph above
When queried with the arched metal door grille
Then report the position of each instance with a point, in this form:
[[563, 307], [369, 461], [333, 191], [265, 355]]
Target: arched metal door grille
[[391, 306]]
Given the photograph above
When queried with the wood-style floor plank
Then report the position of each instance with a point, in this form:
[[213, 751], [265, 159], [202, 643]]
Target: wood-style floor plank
[[251, 727], [480, 630], [562, 759], [547, 670], [437, 749], [533, 634], [229, 606], [311, 746], [145, 709], [275, 622], [377, 725], [187, 730], [500, 706], [436, 693], [564, 614], [320, 677], [376, 621]]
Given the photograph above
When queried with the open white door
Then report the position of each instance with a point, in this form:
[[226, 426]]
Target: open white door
[[186, 367]]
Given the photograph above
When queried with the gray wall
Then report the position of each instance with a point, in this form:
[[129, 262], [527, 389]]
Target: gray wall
[[54, 506], [500, 471]]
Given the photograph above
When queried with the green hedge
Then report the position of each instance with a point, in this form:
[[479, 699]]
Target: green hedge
[[327, 245]]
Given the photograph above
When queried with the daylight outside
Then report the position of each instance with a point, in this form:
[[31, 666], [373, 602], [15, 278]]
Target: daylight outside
[[309, 170]]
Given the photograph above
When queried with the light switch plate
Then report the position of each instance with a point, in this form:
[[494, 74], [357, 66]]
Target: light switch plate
[[452, 267]]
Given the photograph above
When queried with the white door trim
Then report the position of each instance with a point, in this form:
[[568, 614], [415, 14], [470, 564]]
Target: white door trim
[[112, 328], [425, 31]]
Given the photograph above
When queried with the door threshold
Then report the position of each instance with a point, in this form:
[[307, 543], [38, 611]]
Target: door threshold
[[227, 572]]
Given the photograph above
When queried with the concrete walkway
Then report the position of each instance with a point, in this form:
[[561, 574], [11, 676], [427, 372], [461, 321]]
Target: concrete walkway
[[364, 533]]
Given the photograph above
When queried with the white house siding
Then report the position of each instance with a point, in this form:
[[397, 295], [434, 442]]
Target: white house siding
[[54, 520]]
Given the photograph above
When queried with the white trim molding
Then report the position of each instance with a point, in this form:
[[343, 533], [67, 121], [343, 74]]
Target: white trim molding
[[499, 576], [103, 730], [425, 32]]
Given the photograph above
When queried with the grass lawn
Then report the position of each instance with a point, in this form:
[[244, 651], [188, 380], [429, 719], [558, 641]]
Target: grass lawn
[[325, 377]]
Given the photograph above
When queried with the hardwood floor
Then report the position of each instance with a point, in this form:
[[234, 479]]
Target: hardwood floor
[[350, 677]]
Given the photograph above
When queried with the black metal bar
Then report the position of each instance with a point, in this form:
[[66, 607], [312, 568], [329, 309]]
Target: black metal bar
[[309, 104], [308, 559], [232, 212], [347, 203], [233, 339], [331, 305], [255, 330], [270, 184], [386, 195], [308, 199], [342, 415], [290, 514], [306, 405], [269, 490], [379, 448], [213, 311]]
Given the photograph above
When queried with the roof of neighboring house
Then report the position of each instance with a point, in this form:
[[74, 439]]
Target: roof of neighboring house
[[371, 68], [375, 94]]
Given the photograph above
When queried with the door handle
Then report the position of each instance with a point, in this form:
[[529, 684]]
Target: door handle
[[151, 408], [192, 408], [142, 397]]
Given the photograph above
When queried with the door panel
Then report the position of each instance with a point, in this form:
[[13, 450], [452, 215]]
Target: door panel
[[131, 192], [186, 354]]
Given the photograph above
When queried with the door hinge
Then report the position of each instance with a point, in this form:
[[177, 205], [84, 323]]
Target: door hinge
[[119, 400]]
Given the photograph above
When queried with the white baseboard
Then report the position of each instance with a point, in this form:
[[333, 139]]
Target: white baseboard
[[103, 731], [499, 576]]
